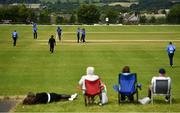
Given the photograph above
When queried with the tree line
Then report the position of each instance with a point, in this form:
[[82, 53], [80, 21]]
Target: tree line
[[85, 14]]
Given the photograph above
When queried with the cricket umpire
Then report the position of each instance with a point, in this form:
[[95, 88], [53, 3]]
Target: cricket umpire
[[78, 34], [52, 43], [59, 32], [35, 30], [14, 37], [170, 50]]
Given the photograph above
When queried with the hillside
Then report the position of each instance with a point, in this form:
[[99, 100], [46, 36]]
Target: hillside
[[82, 1], [62, 1]]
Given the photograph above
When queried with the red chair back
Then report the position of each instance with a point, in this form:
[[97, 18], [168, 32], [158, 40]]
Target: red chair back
[[92, 87]]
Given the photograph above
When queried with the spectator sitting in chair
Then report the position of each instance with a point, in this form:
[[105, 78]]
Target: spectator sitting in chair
[[44, 98], [89, 76], [162, 74], [126, 71]]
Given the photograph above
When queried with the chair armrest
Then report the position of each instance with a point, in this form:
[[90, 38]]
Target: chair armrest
[[139, 86], [116, 88]]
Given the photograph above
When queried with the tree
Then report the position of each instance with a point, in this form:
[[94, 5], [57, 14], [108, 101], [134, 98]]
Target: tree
[[152, 19], [59, 19], [174, 14], [18, 14], [143, 19], [44, 17], [154, 4], [72, 19], [88, 14], [112, 15], [161, 20]]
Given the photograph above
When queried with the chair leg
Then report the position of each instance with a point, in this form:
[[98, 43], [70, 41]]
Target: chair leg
[[85, 100], [170, 98], [152, 98], [119, 98], [100, 98], [137, 96]]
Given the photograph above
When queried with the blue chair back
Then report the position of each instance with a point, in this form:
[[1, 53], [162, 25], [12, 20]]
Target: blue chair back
[[127, 83]]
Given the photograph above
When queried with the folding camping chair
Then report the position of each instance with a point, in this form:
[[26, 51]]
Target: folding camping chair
[[127, 86], [93, 88], [161, 86]]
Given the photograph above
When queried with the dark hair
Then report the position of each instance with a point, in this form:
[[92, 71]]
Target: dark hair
[[162, 71], [30, 99], [126, 69], [170, 42], [52, 36]]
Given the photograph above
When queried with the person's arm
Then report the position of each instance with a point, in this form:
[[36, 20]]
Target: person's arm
[[167, 49], [49, 41], [152, 80]]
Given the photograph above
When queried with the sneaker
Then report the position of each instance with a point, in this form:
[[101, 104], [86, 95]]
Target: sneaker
[[166, 99], [71, 99], [74, 95]]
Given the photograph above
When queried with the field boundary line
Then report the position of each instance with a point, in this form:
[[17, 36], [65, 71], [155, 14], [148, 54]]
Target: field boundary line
[[124, 32], [117, 40], [95, 25]]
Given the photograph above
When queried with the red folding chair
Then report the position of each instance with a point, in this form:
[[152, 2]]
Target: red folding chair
[[93, 88]]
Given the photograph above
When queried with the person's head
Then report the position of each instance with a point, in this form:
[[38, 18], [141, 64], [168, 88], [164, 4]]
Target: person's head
[[30, 99], [126, 69], [14, 30], [170, 43], [52, 36], [58, 27], [90, 71], [162, 72]]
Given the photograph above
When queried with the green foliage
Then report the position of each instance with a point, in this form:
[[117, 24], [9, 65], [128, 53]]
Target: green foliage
[[161, 20], [174, 15], [18, 1], [152, 19], [88, 14], [72, 19], [44, 17], [154, 4], [112, 15], [143, 19], [18, 14], [59, 19]]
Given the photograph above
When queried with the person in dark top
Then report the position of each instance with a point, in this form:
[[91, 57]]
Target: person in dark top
[[14, 36], [44, 98], [83, 35], [78, 34], [59, 32], [52, 43], [35, 30]]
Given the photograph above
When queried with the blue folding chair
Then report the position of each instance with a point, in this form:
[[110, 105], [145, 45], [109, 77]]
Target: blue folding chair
[[127, 86]]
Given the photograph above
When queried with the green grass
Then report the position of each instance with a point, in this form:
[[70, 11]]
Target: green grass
[[31, 67]]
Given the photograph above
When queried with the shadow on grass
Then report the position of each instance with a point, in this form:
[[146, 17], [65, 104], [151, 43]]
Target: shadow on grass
[[7, 105], [162, 101]]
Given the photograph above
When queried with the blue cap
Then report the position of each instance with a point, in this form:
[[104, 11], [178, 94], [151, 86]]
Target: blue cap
[[162, 71]]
